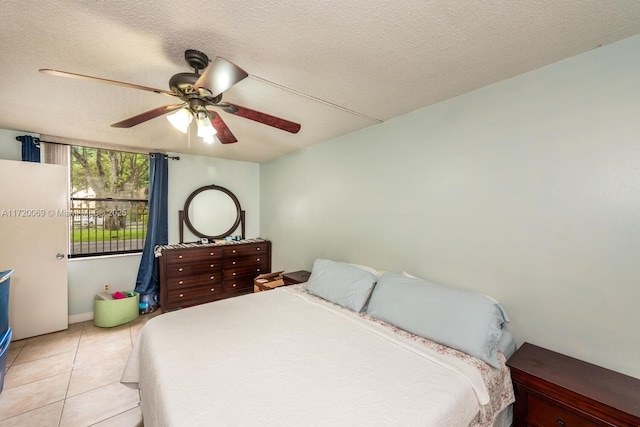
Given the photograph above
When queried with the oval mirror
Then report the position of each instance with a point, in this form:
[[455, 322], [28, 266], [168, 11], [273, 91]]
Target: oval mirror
[[212, 212]]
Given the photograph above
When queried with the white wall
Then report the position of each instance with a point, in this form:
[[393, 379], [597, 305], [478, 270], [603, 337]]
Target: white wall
[[528, 190]]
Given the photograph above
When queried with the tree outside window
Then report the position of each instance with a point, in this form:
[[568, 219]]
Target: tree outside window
[[109, 196]]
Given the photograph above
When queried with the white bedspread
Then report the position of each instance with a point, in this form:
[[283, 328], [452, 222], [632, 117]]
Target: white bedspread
[[284, 358]]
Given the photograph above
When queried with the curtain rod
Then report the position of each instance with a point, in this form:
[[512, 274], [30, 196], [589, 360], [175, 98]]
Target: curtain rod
[[35, 138], [38, 140]]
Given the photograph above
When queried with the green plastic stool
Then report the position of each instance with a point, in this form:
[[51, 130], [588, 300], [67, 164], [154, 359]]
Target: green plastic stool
[[110, 313]]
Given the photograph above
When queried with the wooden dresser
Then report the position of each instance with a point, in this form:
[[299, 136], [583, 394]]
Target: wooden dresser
[[194, 274], [556, 390]]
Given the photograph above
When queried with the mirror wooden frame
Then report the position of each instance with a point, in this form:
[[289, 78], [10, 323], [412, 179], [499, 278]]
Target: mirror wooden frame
[[183, 215]]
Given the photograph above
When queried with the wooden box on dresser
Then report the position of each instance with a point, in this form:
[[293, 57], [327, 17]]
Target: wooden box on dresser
[[195, 274], [556, 390]]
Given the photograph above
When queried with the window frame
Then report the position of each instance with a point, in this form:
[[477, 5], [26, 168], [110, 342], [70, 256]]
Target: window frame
[[94, 213]]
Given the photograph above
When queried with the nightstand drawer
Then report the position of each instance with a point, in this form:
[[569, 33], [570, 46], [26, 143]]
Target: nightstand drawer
[[545, 413], [553, 389]]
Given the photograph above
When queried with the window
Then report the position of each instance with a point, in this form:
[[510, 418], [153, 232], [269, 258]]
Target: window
[[109, 195]]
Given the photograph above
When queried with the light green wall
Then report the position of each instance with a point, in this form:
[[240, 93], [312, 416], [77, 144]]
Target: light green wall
[[10, 148], [87, 276], [192, 172], [527, 190]]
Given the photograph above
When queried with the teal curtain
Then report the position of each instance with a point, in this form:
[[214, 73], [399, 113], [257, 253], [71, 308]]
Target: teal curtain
[[157, 232], [30, 148]]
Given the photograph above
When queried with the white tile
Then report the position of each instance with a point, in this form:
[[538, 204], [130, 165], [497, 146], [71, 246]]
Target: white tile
[[109, 351], [45, 416], [37, 394], [45, 348], [98, 405], [131, 418], [39, 369], [90, 377]]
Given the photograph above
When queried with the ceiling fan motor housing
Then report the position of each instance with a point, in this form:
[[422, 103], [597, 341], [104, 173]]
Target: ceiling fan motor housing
[[183, 82], [196, 59]]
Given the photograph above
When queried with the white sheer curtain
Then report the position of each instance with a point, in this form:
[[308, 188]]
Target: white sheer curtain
[[56, 154]]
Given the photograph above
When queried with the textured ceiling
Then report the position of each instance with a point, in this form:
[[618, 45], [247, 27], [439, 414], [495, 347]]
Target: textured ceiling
[[333, 66]]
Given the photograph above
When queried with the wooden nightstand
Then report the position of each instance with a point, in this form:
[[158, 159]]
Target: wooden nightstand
[[295, 277], [556, 390]]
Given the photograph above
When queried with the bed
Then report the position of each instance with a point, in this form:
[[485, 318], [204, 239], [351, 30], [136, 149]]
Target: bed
[[302, 355]]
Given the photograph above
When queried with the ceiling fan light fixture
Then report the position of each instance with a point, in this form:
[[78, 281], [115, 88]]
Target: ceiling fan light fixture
[[209, 139], [181, 119], [205, 128]]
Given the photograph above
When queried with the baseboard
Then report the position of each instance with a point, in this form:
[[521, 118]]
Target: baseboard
[[77, 318]]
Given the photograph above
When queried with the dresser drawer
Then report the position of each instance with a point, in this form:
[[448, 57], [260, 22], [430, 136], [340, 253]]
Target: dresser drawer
[[243, 273], [242, 286], [182, 282], [232, 251], [201, 268], [191, 254], [198, 293], [247, 262], [545, 413], [192, 274]]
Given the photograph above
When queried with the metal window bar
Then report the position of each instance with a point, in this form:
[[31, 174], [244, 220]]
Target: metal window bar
[[105, 226]]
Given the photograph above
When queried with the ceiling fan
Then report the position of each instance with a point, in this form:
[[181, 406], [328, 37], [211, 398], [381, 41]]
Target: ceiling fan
[[197, 91]]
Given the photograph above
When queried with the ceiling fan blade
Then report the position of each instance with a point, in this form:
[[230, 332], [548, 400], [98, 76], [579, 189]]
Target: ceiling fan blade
[[99, 79], [223, 134], [147, 115], [219, 76], [259, 117]]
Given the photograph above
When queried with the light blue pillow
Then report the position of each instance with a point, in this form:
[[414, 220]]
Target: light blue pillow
[[464, 320], [341, 283]]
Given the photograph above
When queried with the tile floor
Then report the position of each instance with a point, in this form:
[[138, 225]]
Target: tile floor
[[71, 378]]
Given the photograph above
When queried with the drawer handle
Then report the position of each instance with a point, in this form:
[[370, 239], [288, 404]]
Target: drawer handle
[[212, 277], [180, 269], [233, 274], [257, 249], [181, 295], [234, 251], [213, 289], [180, 282], [211, 253], [211, 266], [180, 256], [560, 421], [257, 269], [258, 259], [234, 263], [234, 285]]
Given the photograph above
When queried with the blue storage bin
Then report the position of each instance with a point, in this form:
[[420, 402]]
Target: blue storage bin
[[5, 279], [5, 340]]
